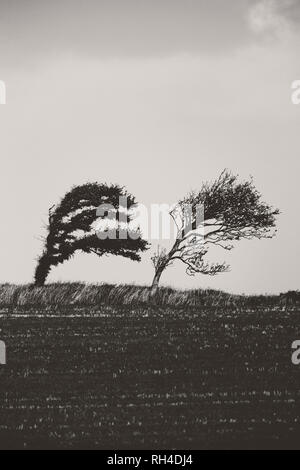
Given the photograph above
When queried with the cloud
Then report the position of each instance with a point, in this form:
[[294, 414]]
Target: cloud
[[265, 17], [274, 17], [36, 29]]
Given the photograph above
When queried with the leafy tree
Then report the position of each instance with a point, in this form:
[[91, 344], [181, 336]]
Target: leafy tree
[[217, 215], [72, 227]]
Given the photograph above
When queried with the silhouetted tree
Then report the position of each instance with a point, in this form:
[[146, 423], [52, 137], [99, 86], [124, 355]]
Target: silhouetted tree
[[73, 227], [220, 213]]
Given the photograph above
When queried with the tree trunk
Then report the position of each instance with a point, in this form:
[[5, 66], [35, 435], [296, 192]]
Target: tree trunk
[[156, 280], [160, 269], [42, 270]]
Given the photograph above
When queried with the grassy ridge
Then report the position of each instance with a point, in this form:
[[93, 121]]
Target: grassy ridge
[[83, 295]]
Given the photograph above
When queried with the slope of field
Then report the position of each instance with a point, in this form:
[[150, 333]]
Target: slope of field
[[154, 377]]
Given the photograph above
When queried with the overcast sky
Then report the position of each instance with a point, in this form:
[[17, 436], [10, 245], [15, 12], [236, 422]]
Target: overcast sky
[[156, 95]]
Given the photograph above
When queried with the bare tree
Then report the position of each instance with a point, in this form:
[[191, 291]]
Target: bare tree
[[217, 215]]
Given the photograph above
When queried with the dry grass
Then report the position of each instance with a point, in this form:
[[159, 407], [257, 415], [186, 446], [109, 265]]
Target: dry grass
[[83, 295]]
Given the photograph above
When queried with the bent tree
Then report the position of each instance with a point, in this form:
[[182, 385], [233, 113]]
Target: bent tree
[[72, 227], [230, 210]]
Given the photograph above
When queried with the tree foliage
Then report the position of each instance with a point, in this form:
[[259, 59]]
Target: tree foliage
[[232, 211], [71, 228]]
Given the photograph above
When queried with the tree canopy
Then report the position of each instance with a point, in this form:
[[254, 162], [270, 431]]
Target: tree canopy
[[72, 228], [218, 214]]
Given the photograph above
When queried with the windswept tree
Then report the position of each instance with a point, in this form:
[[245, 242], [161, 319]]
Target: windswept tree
[[219, 214], [73, 227]]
